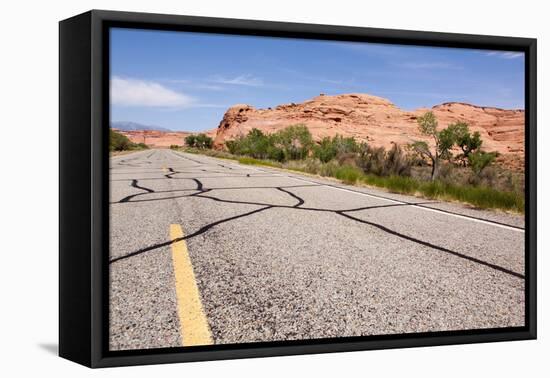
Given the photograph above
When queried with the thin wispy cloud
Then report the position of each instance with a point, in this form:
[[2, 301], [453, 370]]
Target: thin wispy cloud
[[429, 65], [301, 75], [208, 87], [190, 84], [144, 93], [246, 80], [505, 54]]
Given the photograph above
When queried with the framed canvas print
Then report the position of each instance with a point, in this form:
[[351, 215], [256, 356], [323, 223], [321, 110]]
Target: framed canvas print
[[234, 188]]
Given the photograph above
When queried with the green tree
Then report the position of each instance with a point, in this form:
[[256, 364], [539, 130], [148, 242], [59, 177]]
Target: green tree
[[467, 141], [447, 139], [428, 125], [256, 144]]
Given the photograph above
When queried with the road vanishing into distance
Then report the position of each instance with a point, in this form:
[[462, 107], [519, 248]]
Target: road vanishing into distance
[[208, 251]]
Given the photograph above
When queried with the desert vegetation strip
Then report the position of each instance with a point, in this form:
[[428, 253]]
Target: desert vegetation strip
[[479, 196], [193, 323]]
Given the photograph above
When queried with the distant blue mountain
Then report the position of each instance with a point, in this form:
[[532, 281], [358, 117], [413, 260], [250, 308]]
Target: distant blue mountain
[[133, 126]]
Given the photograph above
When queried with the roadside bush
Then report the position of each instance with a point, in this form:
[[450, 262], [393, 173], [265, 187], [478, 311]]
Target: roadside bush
[[295, 142], [274, 153], [291, 143], [371, 159], [190, 140], [378, 161], [480, 160], [201, 141], [257, 144], [396, 184], [234, 146], [348, 174], [310, 165], [141, 146], [325, 151], [329, 169], [446, 172], [119, 142], [336, 147], [396, 162], [513, 183]]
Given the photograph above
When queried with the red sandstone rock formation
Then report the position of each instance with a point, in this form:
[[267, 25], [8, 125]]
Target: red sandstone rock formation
[[160, 139], [379, 122]]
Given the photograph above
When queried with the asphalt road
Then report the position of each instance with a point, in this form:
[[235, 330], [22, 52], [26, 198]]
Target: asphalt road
[[279, 256]]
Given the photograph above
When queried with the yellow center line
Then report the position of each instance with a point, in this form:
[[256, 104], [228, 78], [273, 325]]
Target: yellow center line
[[194, 329]]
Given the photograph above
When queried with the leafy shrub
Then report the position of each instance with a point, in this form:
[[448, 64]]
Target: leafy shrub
[[141, 146], [295, 142], [326, 150], [201, 141], [338, 146], [329, 169], [256, 144], [480, 160], [119, 142], [190, 140], [291, 143], [371, 159], [396, 162], [378, 161], [274, 153], [234, 146]]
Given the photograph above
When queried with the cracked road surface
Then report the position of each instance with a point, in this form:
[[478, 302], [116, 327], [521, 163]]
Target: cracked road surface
[[210, 250]]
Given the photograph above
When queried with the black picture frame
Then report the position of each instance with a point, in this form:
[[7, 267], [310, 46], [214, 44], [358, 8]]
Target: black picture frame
[[84, 168]]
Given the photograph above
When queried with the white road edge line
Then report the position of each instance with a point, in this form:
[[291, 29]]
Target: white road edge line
[[397, 201], [418, 207]]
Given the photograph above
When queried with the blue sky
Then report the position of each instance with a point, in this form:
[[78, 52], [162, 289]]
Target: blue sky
[[186, 81]]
